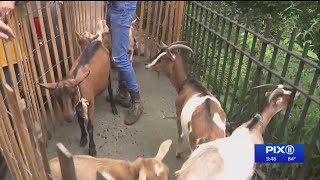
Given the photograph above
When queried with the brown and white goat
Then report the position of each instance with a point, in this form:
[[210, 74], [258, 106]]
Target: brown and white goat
[[200, 116], [88, 77], [86, 167], [233, 157]]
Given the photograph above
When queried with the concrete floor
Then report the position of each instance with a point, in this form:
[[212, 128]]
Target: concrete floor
[[115, 140]]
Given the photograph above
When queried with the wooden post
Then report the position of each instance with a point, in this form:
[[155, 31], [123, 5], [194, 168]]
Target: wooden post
[[66, 163]]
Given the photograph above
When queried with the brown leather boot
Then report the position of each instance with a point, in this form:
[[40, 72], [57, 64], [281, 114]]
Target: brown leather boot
[[122, 97], [135, 110]]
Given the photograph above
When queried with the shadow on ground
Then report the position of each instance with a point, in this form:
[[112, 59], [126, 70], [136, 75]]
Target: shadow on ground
[[115, 140]]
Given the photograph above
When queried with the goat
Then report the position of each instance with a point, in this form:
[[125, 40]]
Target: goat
[[88, 77], [233, 157], [199, 114], [142, 168]]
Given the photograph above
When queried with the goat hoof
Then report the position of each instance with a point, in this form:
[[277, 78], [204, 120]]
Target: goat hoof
[[114, 111], [92, 152], [178, 155], [83, 142]]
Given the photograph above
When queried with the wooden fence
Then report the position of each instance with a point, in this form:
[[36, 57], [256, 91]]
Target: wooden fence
[[44, 51]]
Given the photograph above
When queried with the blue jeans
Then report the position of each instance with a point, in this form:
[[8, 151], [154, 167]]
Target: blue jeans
[[120, 15]]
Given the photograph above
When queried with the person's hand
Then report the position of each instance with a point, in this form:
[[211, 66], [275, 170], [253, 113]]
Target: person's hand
[[6, 6], [5, 31]]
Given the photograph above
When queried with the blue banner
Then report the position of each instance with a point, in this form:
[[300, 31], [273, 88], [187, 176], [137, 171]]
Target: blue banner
[[279, 153]]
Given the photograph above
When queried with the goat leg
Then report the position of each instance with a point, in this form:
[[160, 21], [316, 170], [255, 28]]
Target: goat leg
[[90, 128], [180, 138], [83, 140], [112, 102]]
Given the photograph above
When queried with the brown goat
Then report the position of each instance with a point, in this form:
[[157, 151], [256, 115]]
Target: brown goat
[[86, 167], [199, 114], [88, 77], [233, 157]]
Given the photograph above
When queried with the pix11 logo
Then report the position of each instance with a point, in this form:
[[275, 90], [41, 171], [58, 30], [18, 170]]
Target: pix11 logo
[[279, 153]]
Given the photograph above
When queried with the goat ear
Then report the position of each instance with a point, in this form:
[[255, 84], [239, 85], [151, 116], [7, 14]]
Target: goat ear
[[163, 149], [94, 37], [82, 74], [163, 45], [50, 86], [142, 174]]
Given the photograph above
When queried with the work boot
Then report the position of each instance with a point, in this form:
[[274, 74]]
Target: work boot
[[122, 97], [135, 110]]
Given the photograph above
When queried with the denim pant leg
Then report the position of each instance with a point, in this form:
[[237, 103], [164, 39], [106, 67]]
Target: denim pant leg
[[120, 18]]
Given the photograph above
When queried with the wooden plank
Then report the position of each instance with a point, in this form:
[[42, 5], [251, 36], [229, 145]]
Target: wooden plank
[[165, 21], [36, 42], [159, 19], [96, 5], [62, 38], [68, 26], [66, 163], [6, 149], [17, 44], [26, 65], [146, 37], [44, 165], [12, 72], [181, 18], [172, 8], [85, 16], [140, 33], [154, 23], [53, 40], [11, 136], [35, 76], [44, 38], [102, 10], [90, 18], [20, 126]]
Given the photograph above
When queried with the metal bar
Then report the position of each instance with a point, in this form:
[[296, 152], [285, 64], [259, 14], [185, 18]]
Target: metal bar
[[194, 39], [296, 82], [215, 86], [232, 61], [290, 47], [208, 47], [196, 48], [246, 79], [204, 38], [226, 52], [244, 43], [274, 56]]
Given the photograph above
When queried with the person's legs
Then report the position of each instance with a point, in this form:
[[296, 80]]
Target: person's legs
[[120, 15]]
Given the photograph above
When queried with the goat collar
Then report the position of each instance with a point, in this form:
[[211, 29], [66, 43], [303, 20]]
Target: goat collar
[[79, 96], [258, 118]]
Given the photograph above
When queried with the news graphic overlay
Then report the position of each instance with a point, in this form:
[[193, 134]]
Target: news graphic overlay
[[279, 153]]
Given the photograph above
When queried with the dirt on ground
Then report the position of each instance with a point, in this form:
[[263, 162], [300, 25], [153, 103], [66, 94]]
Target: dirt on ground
[[114, 139]]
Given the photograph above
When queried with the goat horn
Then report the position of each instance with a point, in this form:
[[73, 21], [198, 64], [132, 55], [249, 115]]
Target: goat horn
[[175, 46], [178, 42], [275, 93], [268, 87]]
